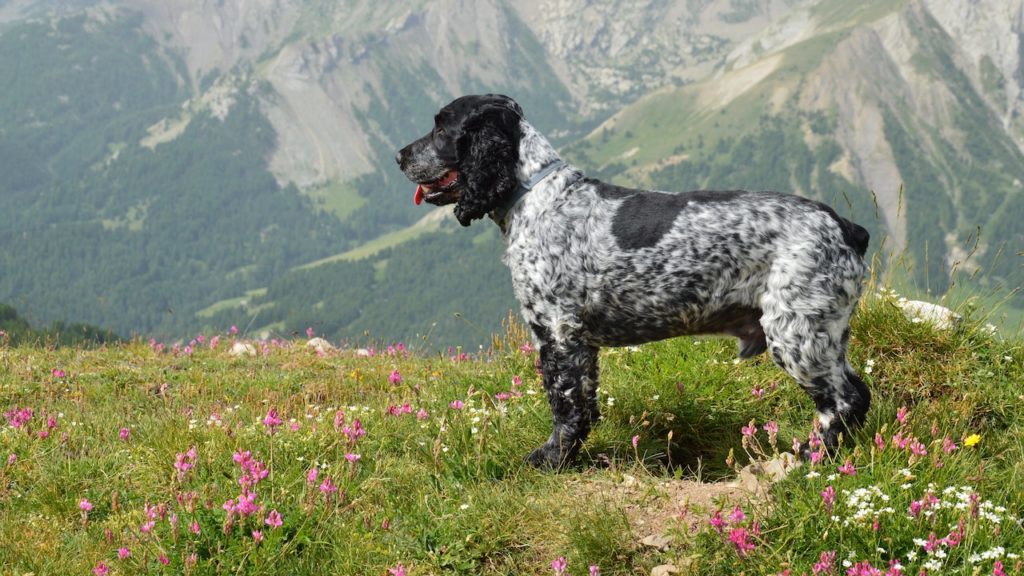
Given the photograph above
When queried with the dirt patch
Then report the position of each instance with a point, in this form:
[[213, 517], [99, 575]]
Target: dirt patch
[[656, 506]]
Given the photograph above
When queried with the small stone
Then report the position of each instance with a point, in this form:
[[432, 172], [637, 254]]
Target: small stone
[[664, 570], [242, 349], [659, 541], [320, 345], [939, 316]]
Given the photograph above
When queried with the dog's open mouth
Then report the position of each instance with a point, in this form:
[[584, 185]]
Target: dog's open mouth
[[431, 191]]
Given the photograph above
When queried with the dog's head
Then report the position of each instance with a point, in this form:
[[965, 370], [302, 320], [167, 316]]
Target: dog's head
[[469, 158]]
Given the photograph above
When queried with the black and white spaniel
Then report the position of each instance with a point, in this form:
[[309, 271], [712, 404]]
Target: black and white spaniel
[[595, 264]]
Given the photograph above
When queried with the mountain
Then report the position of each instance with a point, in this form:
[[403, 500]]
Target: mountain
[[174, 166], [905, 105]]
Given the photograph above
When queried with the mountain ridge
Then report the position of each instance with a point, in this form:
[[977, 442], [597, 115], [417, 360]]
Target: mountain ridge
[[908, 109]]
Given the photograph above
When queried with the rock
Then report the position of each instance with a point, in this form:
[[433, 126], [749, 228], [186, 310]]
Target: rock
[[242, 349], [759, 475], [939, 316], [659, 541], [320, 345], [664, 570], [363, 353]]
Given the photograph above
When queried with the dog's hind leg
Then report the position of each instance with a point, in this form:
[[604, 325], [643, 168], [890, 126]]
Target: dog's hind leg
[[570, 380], [806, 324], [752, 341]]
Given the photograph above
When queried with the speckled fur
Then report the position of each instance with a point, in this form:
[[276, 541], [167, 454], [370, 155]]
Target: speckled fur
[[598, 265]]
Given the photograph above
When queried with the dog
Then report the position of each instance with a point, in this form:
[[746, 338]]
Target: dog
[[594, 264]]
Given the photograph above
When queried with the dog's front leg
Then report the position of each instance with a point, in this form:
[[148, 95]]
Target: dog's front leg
[[570, 380]]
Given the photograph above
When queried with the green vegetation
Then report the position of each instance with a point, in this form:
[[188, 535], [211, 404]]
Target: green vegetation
[[15, 330], [439, 289], [98, 228], [131, 448]]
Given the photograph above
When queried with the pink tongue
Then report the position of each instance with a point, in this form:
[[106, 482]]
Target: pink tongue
[[418, 198]]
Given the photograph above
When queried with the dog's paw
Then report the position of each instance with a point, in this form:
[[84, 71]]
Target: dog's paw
[[550, 457]]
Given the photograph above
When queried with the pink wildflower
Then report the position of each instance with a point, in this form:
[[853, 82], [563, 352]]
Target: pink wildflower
[[311, 476], [18, 417], [147, 527], [918, 449], [58, 373], [84, 505], [456, 404], [163, 559], [716, 521], [997, 569], [12, 459], [948, 446], [123, 553], [526, 348], [901, 414], [517, 381], [932, 544], [828, 497], [879, 442], [915, 508], [422, 414], [245, 504], [848, 469], [749, 430], [558, 565], [274, 519], [327, 488], [817, 455], [595, 571], [101, 569], [395, 377], [354, 432], [737, 515], [353, 458], [772, 428], [194, 527], [124, 434], [825, 563], [740, 538], [397, 570], [796, 446], [339, 420], [636, 440], [272, 421], [257, 535], [757, 392]]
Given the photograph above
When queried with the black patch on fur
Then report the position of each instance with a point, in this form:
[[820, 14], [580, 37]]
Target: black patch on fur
[[644, 217]]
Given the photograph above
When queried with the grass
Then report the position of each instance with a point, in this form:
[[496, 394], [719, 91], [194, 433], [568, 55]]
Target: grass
[[441, 488], [338, 198]]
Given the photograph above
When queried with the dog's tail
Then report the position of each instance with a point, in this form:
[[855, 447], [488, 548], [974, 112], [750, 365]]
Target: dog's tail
[[854, 235]]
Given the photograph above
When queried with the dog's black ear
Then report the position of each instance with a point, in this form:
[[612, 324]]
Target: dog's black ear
[[488, 156]]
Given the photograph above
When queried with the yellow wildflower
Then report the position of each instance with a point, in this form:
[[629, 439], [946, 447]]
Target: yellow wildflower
[[972, 440]]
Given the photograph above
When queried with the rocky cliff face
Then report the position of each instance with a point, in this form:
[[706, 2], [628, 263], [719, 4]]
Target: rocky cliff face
[[610, 53]]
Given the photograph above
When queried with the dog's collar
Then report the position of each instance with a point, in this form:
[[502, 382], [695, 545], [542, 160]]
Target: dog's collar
[[500, 213]]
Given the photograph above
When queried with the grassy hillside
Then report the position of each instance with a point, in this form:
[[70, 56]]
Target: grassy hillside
[[143, 459]]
